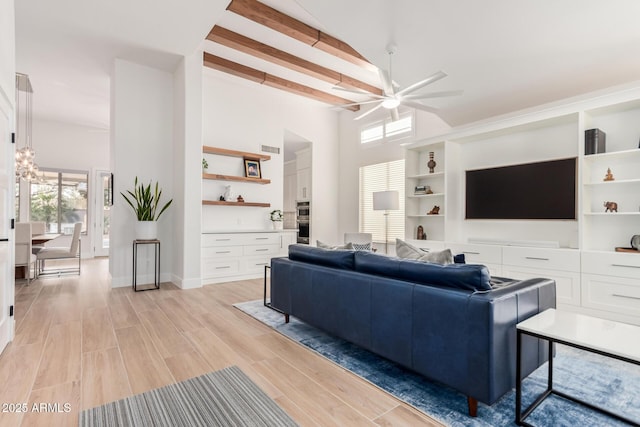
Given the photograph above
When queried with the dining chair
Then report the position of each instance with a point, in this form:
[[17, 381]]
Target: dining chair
[[37, 228], [58, 253], [23, 255]]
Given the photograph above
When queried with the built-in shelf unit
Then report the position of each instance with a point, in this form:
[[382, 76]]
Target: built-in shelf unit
[[591, 276], [244, 155]]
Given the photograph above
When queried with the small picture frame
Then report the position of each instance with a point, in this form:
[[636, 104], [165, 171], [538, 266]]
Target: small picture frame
[[252, 168]]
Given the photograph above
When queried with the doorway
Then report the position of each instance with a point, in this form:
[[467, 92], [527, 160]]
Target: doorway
[[104, 201]]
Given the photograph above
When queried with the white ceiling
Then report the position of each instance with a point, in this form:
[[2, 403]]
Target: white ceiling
[[505, 54]]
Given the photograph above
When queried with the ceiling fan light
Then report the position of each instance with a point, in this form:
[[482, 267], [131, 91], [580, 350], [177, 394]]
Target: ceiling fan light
[[390, 103]]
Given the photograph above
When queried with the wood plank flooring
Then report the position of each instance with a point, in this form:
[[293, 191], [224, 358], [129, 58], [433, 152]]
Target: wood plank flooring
[[81, 344]]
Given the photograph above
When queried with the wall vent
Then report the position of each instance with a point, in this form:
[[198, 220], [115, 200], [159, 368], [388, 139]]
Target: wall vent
[[270, 149]]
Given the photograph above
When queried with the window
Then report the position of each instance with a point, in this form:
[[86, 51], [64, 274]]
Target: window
[[60, 200], [387, 130], [381, 177]]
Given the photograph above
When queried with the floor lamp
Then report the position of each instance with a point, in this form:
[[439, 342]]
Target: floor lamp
[[386, 201]]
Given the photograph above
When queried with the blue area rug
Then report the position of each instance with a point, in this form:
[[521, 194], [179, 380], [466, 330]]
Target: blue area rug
[[599, 380]]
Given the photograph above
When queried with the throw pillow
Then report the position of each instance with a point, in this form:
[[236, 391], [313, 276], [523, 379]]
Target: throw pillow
[[407, 250], [459, 259], [442, 257], [333, 247], [361, 246]]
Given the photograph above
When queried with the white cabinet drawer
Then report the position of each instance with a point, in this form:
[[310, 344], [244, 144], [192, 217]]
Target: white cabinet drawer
[[221, 251], [261, 239], [543, 258], [219, 268], [567, 282], [208, 240], [618, 295], [261, 250], [611, 264], [478, 254], [256, 264]]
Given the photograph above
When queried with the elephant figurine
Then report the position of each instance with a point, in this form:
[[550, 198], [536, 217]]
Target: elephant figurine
[[611, 207]]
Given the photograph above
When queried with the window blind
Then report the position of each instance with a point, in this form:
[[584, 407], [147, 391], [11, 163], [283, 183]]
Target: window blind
[[381, 177]]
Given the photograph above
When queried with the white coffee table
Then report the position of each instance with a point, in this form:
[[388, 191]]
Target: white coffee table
[[605, 337]]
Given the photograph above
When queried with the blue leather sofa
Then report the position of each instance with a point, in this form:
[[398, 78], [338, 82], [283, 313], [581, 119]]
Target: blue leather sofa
[[445, 322]]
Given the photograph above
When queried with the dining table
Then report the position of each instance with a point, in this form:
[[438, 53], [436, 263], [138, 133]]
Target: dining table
[[41, 239]]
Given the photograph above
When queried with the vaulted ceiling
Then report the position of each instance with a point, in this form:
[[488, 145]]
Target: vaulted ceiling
[[505, 55]]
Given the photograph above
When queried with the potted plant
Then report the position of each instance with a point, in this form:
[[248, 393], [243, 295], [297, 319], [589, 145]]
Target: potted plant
[[205, 165], [276, 217], [145, 203]]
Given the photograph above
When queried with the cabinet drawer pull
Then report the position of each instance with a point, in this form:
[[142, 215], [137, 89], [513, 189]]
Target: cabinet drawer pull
[[223, 252], [222, 267], [537, 258], [624, 265], [222, 240], [625, 296], [470, 253], [261, 250], [262, 238], [263, 263]]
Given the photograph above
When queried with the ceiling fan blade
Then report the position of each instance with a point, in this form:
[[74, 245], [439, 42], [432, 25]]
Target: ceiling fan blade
[[431, 79], [434, 94], [368, 112], [387, 84], [419, 106], [395, 116], [358, 92], [358, 103]]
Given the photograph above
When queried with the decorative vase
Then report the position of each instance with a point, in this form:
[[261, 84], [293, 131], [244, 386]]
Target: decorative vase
[[431, 164], [277, 225], [146, 230]]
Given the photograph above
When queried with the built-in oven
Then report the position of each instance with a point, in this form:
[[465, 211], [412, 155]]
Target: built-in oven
[[303, 210], [303, 219]]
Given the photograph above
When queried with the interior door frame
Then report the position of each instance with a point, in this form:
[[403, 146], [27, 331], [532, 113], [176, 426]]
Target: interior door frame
[[7, 213]]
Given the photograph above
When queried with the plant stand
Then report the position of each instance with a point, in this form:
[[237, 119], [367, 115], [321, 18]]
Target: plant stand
[[156, 273]]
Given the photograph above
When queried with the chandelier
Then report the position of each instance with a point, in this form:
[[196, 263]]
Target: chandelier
[[26, 168]]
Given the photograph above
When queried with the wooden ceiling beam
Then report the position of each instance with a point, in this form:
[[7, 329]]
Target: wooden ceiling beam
[[249, 46], [261, 77], [278, 21]]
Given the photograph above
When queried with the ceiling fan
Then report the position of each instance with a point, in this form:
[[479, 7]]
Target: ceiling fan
[[406, 96]]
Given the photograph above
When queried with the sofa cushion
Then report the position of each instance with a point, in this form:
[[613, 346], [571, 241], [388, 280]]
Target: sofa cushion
[[337, 258], [472, 277], [407, 251], [443, 257], [332, 247]]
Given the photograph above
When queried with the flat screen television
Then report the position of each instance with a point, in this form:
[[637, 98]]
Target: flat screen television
[[542, 190]]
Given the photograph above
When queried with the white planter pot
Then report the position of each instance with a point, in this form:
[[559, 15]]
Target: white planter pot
[[146, 230], [277, 225]]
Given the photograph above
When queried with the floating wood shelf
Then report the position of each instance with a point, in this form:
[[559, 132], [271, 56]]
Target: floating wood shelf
[[219, 177], [234, 153], [223, 203]]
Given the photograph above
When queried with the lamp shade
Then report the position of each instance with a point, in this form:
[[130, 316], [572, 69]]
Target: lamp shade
[[386, 200]]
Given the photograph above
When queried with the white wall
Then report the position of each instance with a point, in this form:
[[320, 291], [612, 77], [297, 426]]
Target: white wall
[[7, 51], [141, 145], [242, 115], [74, 148], [187, 182], [354, 155]]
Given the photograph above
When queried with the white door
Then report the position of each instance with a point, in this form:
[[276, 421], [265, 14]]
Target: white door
[[7, 287], [103, 201]]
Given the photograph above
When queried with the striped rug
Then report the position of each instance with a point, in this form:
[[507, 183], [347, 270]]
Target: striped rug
[[222, 398]]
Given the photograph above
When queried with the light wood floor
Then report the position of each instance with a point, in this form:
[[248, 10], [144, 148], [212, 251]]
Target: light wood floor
[[79, 342]]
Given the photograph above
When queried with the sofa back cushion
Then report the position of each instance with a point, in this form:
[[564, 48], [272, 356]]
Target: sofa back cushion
[[472, 277], [336, 258]]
